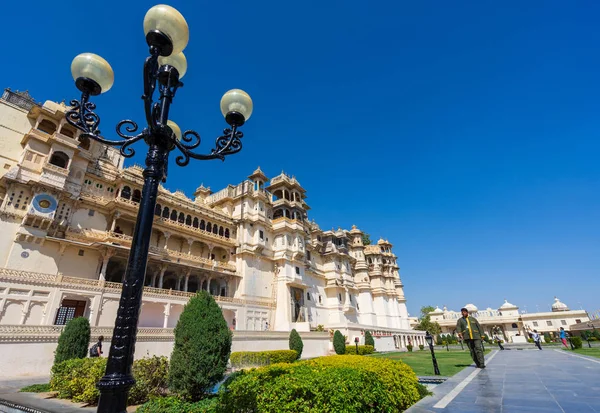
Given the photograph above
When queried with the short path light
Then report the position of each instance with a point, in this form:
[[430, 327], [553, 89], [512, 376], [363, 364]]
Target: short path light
[[356, 342], [429, 339]]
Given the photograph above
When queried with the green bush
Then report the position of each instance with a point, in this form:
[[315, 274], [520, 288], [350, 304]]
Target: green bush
[[339, 343], [296, 343], [362, 350], [596, 334], [151, 375], [369, 339], [530, 340], [577, 343], [36, 388], [201, 350], [320, 327], [409, 347], [76, 379], [328, 384], [176, 405], [73, 341], [421, 346], [547, 338], [240, 359]]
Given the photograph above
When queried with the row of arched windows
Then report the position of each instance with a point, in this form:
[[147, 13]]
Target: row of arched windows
[[194, 222]]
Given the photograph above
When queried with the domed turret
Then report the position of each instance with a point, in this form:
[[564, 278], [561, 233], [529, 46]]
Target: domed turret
[[559, 306], [437, 311], [507, 306], [471, 308]]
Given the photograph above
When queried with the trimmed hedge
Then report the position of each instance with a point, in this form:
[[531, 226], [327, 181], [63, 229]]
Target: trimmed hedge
[[176, 405], [73, 341], [240, 359], [296, 343], [349, 384], [76, 379], [409, 347], [202, 348], [421, 346], [339, 343], [362, 350], [369, 339]]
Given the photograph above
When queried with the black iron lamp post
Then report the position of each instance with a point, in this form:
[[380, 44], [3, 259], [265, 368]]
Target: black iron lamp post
[[167, 35], [587, 338], [429, 339], [356, 339]]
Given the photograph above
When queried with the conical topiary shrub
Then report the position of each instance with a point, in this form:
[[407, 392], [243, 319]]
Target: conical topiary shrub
[[296, 343], [201, 350], [339, 343], [369, 339], [73, 341]]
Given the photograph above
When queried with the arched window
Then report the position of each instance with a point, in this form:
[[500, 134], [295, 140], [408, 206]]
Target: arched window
[[137, 196], [188, 220], [126, 192], [215, 229], [221, 232], [202, 224], [181, 218], [195, 223], [173, 215], [157, 210], [208, 227], [165, 213], [287, 213], [514, 325], [226, 232], [47, 126], [59, 159], [278, 214]]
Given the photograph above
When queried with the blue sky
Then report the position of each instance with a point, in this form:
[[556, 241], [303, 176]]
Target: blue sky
[[464, 132]]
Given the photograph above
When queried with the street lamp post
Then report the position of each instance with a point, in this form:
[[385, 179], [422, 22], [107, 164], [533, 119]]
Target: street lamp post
[[356, 342], [429, 339], [587, 338], [167, 35]]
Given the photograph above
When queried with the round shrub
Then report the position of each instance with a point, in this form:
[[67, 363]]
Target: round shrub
[[328, 384], [369, 339], [241, 359], [76, 379], [421, 346], [339, 343], [202, 348], [409, 347], [151, 375], [73, 341], [577, 343], [296, 343]]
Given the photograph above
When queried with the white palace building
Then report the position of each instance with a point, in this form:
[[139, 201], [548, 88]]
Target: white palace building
[[66, 219]]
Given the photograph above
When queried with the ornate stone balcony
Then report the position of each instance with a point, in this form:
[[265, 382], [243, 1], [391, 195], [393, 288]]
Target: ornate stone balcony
[[76, 283]]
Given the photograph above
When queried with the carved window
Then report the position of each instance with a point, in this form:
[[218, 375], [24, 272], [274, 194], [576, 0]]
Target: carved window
[[202, 225], [181, 218], [59, 159], [226, 232], [173, 215], [157, 210], [221, 231], [188, 220], [195, 222], [165, 213], [209, 227], [47, 126], [137, 196], [126, 192]]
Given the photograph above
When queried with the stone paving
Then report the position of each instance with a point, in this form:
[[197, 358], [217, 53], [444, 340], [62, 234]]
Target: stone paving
[[521, 381]]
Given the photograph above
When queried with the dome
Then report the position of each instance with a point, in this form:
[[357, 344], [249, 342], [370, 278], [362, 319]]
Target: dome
[[508, 306], [559, 306], [437, 311], [471, 308]]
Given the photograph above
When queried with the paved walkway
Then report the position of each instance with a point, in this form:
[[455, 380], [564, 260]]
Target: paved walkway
[[526, 381]]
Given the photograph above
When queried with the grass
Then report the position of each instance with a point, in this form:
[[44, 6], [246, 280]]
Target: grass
[[449, 362], [585, 351], [36, 388]]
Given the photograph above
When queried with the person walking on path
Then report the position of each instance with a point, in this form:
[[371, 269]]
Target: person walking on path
[[470, 331], [96, 350], [537, 339], [563, 337], [499, 341]]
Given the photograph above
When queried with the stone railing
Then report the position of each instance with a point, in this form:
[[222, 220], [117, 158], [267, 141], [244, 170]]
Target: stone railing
[[57, 169], [50, 333], [95, 198], [58, 280]]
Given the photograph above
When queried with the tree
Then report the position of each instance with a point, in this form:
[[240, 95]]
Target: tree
[[425, 323], [296, 343], [339, 343], [369, 339], [73, 341], [202, 348], [366, 239]]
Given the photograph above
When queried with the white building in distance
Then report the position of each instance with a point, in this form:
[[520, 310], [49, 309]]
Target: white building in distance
[[508, 323]]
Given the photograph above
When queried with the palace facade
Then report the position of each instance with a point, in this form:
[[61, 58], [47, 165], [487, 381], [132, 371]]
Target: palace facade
[[67, 215]]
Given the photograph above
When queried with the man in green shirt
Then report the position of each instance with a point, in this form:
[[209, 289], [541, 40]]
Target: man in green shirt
[[470, 331]]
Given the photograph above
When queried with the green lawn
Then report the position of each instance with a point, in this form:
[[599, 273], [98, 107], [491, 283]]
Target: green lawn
[[449, 362], [585, 351]]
